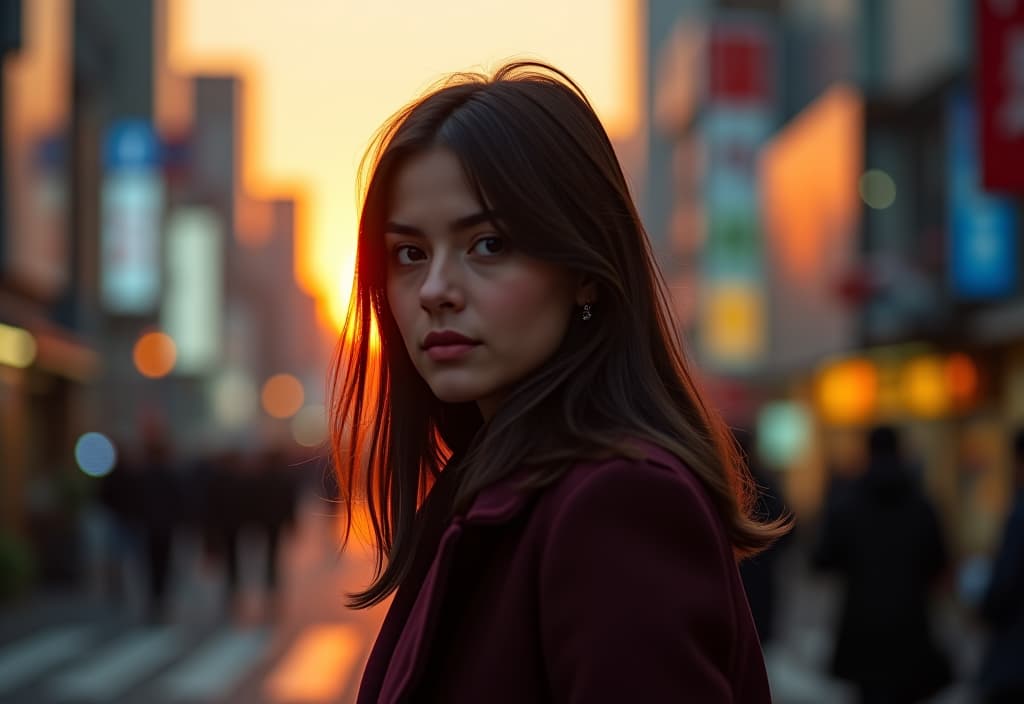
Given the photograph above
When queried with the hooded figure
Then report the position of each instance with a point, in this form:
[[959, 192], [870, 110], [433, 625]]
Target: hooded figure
[[1002, 677], [883, 538]]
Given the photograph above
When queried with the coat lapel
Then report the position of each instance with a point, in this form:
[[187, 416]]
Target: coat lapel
[[494, 505]]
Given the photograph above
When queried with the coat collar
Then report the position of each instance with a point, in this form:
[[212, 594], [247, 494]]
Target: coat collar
[[500, 502], [496, 504]]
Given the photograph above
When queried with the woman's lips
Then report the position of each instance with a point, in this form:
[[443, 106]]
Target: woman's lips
[[449, 353]]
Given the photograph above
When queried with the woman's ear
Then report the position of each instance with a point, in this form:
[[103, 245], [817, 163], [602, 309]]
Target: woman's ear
[[586, 291]]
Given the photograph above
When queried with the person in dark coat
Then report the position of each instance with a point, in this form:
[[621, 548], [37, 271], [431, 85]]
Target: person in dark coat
[[274, 496], [1001, 677], [557, 510], [760, 573], [121, 494], [160, 513], [884, 539], [225, 504]]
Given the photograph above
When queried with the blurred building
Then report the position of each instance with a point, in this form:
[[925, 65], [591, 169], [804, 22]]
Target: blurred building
[[47, 360], [830, 189], [143, 291]]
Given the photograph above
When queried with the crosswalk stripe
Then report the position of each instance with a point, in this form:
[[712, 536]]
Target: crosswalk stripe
[[119, 666], [211, 671], [317, 667], [23, 661]]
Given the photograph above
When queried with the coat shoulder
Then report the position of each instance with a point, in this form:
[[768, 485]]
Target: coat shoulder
[[651, 466], [652, 482]]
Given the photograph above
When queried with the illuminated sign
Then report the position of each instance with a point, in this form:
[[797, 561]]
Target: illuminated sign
[[194, 292], [1001, 86], [133, 201], [982, 228], [732, 332]]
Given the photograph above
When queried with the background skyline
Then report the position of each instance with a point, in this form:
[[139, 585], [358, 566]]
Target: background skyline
[[311, 107]]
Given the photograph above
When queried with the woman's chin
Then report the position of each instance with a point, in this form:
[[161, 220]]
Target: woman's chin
[[455, 394]]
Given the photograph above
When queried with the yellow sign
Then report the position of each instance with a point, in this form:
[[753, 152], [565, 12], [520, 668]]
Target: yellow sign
[[733, 331]]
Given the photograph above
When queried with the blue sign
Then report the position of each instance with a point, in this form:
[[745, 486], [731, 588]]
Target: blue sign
[[131, 144], [982, 229], [130, 220]]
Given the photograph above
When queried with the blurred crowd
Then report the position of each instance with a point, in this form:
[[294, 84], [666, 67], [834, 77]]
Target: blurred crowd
[[881, 537], [148, 502]]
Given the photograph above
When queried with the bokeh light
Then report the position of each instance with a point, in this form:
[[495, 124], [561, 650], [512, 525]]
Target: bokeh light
[[282, 396], [95, 454], [877, 189], [783, 433], [154, 355], [17, 346], [234, 399], [309, 426], [962, 377], [924, 387], [848, 392]]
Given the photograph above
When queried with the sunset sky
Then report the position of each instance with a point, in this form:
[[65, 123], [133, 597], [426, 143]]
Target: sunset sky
[[322, 75]]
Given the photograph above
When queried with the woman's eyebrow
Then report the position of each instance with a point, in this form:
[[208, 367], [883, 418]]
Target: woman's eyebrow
[[462, 223], [471, 220]]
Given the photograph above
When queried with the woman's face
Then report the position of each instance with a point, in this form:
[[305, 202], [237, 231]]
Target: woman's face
[[449, 271]]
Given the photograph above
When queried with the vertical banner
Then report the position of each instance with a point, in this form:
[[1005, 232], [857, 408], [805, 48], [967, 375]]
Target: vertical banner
[[38, 255], [741, 89], [193, 300], [36, 76], [1001, 82], [982, 229], [132, 202]]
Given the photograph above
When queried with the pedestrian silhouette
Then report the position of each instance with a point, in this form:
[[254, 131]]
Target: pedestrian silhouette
[[121, 495], [760, 572], [274, 495], [882, 536], [161, 512], [224, 504], [249, 496], [1001, 677]]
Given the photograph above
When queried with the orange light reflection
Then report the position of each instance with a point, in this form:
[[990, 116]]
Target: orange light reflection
[[809, 194], [318, 667]]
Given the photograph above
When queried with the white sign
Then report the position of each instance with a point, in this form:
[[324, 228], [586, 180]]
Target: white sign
[[193, 294], [130, 274]]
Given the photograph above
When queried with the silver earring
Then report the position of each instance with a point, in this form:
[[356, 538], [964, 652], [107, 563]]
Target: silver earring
[[587, 314]]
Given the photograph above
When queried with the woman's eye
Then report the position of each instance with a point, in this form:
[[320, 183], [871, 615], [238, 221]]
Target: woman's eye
[[407, 254], [489, 246]]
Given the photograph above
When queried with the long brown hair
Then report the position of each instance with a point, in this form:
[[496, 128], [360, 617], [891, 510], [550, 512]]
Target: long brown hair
[[535, 152]]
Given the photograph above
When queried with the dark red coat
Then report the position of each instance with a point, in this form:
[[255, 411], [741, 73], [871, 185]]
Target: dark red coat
[[616, 584]]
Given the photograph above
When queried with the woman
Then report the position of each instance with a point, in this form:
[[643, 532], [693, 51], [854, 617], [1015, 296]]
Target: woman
[[557, 510]]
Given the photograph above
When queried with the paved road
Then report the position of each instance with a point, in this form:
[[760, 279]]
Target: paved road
[[79, 650], [70, 649]]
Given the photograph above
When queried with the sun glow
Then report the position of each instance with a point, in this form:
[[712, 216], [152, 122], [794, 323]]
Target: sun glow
[[319, 81]]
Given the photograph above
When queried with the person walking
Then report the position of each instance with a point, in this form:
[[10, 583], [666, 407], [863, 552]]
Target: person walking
[[1001, 676], [882, 536]]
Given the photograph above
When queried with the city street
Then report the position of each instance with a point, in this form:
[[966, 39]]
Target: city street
[[84, 649], [65, 649], [781, 234]]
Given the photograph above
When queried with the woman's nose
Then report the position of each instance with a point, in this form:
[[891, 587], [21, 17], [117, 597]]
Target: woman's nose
[[442, 287]]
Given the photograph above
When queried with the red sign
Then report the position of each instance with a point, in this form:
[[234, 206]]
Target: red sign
[[742, 64], [1001, 82]]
